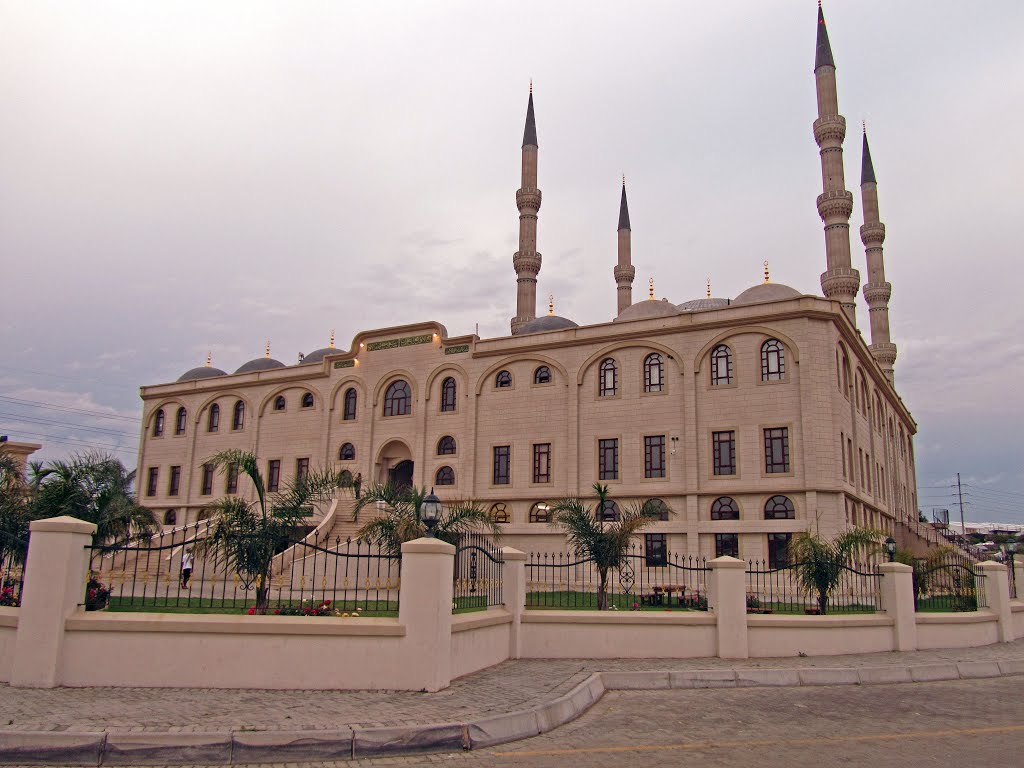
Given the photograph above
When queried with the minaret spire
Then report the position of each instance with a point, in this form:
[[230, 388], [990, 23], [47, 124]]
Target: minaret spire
[[840, 281], [876, 291], [526, 260], [624, 271]]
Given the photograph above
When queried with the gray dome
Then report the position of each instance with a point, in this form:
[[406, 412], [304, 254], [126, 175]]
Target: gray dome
[[260, 364], [648, 308], [547, 323], [699, 305], [319, 354], [766, 292], [202, 372]]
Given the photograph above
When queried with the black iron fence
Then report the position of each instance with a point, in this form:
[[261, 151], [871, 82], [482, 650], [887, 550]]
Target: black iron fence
[[642, 582], [783, 590], [1012, 575], [948, 586], [13, 552], [478, 572], [183, 570]]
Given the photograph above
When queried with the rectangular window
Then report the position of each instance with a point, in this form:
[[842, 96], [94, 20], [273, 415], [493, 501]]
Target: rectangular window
[[724, 450], [175, 482], [778, 549], [301, 469], [273, 474], [842, 450], [502, 469], [542, 462], [655, 549], [776, 450], [231, 484], [207, 479], [654, 456], [608, 459], [151, 481], [860, 460], [849, 458], [727, 544]]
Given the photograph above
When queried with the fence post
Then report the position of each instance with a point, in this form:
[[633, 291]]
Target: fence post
[[425, 610], [513, 586], [997, 593], [55, 574], [898, 603], [729, 596]]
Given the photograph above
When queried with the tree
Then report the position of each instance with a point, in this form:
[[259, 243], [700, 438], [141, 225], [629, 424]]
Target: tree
[[818, 562], [245, 535], [402, 520], [591, 537], [14, 514]]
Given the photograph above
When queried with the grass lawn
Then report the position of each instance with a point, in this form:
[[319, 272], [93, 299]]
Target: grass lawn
[[587, 601], [947, 604], [228, 606]]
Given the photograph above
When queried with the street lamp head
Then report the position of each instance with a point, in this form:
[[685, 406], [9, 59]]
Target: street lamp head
[[430, 510], [1011, 546], [890, 548]]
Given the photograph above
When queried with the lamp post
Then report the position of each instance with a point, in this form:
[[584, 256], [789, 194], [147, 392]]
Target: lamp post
[[1011, 550], [890, 548], [430, 510]]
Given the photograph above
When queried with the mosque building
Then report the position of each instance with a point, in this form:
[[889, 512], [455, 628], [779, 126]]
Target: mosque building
[[736, 422]]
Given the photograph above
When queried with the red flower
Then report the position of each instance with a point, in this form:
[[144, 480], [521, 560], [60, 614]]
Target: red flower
[[276, 611], [252, 611]]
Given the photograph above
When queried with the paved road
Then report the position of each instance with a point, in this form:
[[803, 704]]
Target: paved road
[[968, 722]]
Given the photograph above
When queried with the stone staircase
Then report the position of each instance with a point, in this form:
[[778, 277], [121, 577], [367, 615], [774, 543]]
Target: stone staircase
[[920, 538]]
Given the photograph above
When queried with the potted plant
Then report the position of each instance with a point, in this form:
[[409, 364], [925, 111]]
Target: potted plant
[[97, 596]]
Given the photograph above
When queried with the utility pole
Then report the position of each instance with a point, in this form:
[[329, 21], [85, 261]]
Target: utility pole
[[960, 494]]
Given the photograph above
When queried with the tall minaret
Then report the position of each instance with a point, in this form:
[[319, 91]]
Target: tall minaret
[[840, 280], [527, 260], [624, 271], [876, 290]]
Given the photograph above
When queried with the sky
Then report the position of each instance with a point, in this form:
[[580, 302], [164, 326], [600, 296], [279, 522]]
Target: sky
[[178, 178]]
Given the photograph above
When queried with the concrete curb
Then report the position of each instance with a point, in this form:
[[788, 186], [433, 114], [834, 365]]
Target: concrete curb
[[242, 747]]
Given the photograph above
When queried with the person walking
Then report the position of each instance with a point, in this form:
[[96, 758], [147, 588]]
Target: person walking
[[357, 483], [186, 567]]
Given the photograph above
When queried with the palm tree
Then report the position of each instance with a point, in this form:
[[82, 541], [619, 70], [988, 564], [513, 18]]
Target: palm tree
[[14, 516], [590, 537], [402, 520], [245, 535], [819, 563]]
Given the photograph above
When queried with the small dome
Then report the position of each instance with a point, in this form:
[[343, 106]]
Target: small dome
[[202, 372], [260, 364], [699, 305], [319, 354], [648, 308], [766, 292], [547, 323]]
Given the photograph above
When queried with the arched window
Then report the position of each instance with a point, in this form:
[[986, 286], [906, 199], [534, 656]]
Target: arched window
[[540, 512], [773, 361], [654, 373], [446, 446], [542, 375], [445, 476], [608, 378], [655, 509], [448, 395], [171, 517], [724, 508], [499, 512], [238, 416], [158, 423], [347, 452], [279, 403], [179, 421], [349, 410], [608, 511], [307, 400], [204, 514], [213, 420], [779, 508], [397, 399], [721, 365], [846, 374], [503, 380]]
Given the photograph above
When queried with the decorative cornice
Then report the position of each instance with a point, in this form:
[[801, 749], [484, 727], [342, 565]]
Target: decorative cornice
[[872, 233], [830, 129]]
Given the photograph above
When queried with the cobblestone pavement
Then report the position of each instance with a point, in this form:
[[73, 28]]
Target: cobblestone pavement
[[504, 688]]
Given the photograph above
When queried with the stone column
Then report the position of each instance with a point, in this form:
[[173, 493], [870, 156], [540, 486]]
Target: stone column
[[513, 585], [55, 577], [997, 594], [728, 599], [425, 610], [898, 603]]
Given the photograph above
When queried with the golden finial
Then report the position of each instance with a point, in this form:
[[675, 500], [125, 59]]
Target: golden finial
[[709, 287], [650, 289], [267, 353], [531, 86], [331, 345], [209, 359], [551, 304], [864, 125], [767, 279], [623, 179]]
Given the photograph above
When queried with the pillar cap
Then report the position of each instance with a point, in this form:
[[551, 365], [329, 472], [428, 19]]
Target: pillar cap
[[894, 568], [727, 562], [511, 553], [62, 524], [425, 546], [991, 565]]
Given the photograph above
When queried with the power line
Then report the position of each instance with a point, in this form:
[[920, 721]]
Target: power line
[[34, 420], [97, 414], [82, 443], [996, 491]]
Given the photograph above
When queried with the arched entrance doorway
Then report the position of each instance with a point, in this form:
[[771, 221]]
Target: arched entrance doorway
[[395, 464], [400, 475]]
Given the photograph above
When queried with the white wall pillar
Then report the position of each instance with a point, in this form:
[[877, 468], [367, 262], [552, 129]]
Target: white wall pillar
[[513, 590], [898, 603], [728, 599], [55, 577], [425, 610], [997, 592]]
